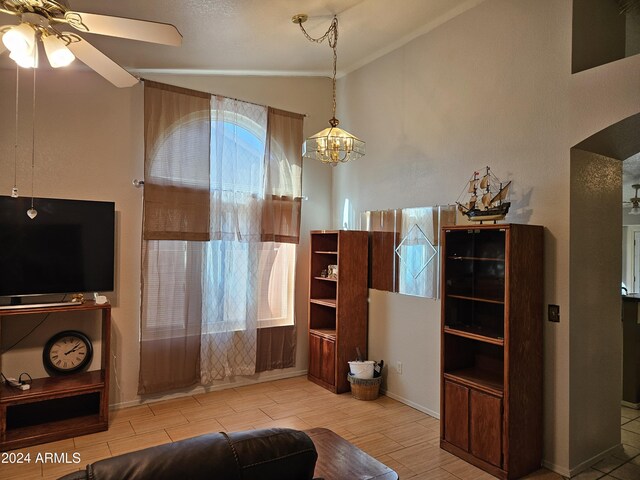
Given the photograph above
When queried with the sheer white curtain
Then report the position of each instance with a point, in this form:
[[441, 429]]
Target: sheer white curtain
[[231, 259]]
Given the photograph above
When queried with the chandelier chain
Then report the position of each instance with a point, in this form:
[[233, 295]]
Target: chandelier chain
[[332, 145], [331, 35], [33, 135]]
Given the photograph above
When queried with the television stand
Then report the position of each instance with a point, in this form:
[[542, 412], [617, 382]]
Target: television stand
[[40, 305], [57, 407]]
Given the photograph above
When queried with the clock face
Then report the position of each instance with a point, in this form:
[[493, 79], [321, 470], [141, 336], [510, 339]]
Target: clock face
[[67, 352]]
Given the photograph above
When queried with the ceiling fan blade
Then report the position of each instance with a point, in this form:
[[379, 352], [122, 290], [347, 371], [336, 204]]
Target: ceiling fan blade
[[143, 30], [102, 64]]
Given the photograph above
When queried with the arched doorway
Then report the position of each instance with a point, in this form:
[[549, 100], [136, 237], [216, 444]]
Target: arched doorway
[[596, 261]]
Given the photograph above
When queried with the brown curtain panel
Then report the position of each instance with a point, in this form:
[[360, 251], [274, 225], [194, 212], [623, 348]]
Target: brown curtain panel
[[276, 348], [283, 177], [177, 126], [171, 315]]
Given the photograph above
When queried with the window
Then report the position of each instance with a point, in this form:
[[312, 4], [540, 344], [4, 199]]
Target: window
[[225, 264]]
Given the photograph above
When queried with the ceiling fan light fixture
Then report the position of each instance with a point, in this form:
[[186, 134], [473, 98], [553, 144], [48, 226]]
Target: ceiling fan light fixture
[[19, 39], [40, 20], [635, 201], [57, 52], [28, 59]]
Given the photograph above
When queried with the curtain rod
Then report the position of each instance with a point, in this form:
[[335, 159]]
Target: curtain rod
[[217, 95]]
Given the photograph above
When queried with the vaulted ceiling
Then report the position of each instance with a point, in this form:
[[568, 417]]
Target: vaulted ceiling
[[257, 37]]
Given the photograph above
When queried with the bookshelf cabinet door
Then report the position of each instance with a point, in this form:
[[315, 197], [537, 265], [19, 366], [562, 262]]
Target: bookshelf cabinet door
[[486, 427], [322, 359], [315, 355], [456, 415], [328, 356]]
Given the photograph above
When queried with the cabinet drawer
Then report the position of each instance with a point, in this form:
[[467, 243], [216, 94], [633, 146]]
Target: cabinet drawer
[[486, 427], [456, 415]]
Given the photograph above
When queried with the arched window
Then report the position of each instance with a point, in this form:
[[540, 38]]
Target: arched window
[[236, 269]]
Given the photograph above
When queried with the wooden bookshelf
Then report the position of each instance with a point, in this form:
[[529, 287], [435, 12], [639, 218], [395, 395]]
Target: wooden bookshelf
[[337, 306], [491, 381]]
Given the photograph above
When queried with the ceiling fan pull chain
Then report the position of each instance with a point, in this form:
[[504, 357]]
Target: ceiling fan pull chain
[[14, 190]]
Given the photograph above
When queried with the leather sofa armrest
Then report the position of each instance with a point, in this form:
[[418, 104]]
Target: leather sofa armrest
[[269, 454], [274, 454]]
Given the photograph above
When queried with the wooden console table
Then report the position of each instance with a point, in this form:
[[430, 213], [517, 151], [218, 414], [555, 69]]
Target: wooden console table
[[57, 407], [340, 460]]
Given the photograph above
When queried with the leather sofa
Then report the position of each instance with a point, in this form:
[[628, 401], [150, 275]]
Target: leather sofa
[[269, 454]]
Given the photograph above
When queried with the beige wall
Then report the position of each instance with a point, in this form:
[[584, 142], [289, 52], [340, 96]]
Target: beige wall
[[89, 145], [596, 328], [490, 87]]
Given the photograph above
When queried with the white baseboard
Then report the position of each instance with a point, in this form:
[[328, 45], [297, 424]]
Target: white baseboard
[[417, 406], [556, 468], [549, 465], [237, 382], [635, 406], [584, 465]]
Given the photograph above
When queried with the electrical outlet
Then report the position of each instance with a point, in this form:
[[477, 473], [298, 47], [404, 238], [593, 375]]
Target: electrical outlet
[[399, 367], [553, 313]]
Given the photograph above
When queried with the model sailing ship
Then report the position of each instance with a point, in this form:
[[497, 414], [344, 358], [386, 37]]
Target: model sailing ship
[[486, 199]]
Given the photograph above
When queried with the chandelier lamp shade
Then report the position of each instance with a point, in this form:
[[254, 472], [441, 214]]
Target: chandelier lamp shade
[[332, 145]]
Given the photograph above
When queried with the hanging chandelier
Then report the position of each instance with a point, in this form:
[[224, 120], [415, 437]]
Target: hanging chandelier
[[331, 145]]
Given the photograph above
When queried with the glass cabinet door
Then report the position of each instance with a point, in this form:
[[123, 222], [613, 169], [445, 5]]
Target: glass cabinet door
[[475, 281]]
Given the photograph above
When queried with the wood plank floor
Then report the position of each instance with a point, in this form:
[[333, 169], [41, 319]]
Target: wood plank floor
[[399, 436]]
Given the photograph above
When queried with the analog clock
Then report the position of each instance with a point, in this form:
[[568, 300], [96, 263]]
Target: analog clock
[[67, 352]]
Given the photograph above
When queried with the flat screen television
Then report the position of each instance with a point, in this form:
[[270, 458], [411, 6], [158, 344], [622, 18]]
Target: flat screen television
[[67, 248]]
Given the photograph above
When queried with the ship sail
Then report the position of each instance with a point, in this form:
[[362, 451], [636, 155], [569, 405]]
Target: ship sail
[[484, 182], [473, 185], [502, 194], [486, 199]]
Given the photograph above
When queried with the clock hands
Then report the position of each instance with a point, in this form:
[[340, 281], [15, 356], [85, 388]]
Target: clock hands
[[76, 346]]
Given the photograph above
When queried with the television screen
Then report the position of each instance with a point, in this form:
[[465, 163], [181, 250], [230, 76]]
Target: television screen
[[67, 248]]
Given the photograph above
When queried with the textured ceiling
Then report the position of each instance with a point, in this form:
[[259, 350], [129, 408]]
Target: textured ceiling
[[257, 36]]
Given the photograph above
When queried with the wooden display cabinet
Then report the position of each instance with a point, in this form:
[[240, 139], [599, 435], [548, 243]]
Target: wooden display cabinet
[[58, 407], [338, 307], [491, 382]]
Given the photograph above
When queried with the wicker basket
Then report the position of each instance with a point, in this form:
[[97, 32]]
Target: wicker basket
[[364, 388]]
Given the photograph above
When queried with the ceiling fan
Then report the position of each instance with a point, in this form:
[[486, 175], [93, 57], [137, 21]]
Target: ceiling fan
[[634, 201], [47, 21]]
